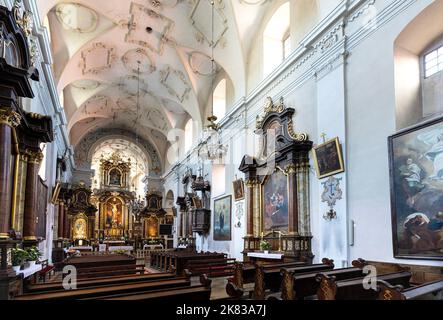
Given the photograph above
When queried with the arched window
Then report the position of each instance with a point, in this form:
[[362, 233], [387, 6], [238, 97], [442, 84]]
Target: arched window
[[276, 39], [219, 100], [42, 171], [189, 135], [432, 78]]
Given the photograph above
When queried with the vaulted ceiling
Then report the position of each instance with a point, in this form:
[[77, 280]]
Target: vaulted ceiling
[[105, 51]]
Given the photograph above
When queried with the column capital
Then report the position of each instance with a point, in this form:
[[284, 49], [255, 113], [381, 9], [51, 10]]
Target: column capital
[[34, 156], [291, 168], [9, 117], [250, 183]]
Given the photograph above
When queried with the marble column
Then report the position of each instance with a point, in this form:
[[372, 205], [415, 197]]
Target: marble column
[[29, 223], [293, 200], [250, 208], [66, 225], [8, 121], [61, 219]]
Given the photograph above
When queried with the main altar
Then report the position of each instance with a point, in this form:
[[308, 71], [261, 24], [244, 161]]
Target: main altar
[[114, 221], [277, 189]]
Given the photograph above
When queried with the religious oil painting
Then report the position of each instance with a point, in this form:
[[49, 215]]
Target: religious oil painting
[[80, 228], [328, 158], [416, 163], [275, 197], [114, 213], [222, 219], [239, 189]]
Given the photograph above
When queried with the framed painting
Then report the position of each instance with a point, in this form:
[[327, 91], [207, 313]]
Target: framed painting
[[328, 158], [275, 202], [416, 170], [239, 189], [222, 219]]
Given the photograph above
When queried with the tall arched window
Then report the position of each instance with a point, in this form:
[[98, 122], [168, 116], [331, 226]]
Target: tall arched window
[[432, 78], [189, 139], [219, 100], [276, 39]]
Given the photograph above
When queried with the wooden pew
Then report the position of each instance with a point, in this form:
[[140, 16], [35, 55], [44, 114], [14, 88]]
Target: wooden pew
[[58, 286], [330, 289], [244, 273], [200, 292], [213, 267], [107, 290], [390, 292], [269, 277], [300, 286], [108, 271]]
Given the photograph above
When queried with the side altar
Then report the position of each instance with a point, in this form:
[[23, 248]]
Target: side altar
[[277, 188]]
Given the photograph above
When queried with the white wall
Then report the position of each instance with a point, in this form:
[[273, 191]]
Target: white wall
[[341, 87]]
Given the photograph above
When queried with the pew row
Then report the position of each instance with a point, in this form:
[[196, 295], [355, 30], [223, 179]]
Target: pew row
[[194, 293], [301, 286], [107, 290], [423, 291], [354, 289], [58, 286], [269, 277], [244, 273]]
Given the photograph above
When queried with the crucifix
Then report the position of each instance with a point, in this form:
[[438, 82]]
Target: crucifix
[[323, 136]]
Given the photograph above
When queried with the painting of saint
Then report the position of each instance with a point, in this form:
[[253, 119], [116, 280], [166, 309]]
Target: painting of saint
[[239, 189], [275, 196], [328, 159], [115, 177], [222, 219], [416, 160], [80, 229]]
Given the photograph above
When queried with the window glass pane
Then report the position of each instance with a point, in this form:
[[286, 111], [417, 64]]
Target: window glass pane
[[431, 71], [431, 63], [440, 51], [431, 56]]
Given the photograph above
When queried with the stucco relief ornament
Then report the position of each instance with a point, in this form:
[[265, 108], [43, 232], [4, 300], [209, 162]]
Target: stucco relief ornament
[[239, 212], [331, 193]]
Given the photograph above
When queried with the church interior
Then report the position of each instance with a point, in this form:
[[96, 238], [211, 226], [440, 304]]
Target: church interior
[[221, 150]]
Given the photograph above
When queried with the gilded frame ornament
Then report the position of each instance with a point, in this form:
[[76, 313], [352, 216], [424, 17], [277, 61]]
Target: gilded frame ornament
[[334, 164]]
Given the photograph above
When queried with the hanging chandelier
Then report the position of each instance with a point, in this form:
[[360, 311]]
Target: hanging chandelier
[[137, 204], [211, 147]]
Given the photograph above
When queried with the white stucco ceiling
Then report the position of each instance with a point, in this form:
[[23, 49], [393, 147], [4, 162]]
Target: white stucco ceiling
[[101, 47]]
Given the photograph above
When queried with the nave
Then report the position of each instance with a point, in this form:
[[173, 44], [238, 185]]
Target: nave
[[228, 151]]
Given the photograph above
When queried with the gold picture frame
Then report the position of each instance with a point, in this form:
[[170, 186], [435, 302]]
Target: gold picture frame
[[55, 193], [328, 158], [239, 189]]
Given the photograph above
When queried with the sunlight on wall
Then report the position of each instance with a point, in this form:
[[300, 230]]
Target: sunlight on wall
[[275, 38], [219, 100]]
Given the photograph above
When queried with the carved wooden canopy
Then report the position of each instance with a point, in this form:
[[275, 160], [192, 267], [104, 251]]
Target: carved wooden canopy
[[80, 201], [279, 143]]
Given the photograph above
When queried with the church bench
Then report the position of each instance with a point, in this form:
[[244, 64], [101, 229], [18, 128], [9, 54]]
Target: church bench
[[300, 286], [58, 286], [103, 272], [91, 261], [200, 292], [390, 292], [106, 290], [330, 289], [270, 278], [244, 273], [212, 267]]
